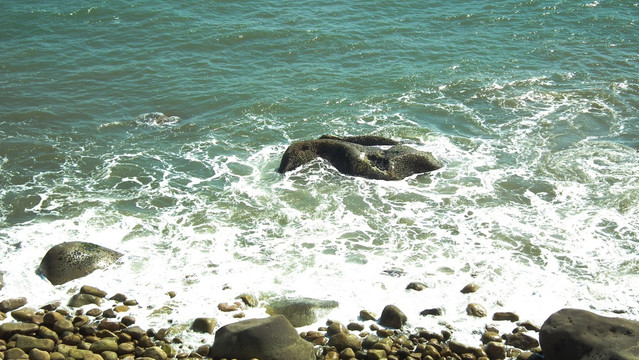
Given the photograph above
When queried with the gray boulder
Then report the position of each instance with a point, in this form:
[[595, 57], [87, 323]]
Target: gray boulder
[[358, 156], [578, 334], [272, 338], [300, 311], [72, 260]]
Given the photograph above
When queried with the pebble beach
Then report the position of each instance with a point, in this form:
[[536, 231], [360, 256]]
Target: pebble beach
[[94, 325]]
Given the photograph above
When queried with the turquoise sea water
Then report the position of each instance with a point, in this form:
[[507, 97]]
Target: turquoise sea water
[[531, 105]]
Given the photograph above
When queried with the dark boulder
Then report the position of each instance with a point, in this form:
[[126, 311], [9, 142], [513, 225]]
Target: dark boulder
[[358, 156], [272, 338], [578, 334], [72, 260], [392, 317]]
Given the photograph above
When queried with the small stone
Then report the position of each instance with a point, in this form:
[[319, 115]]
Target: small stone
[[8, 329], [335, 328], [347, 353], [521, 341], [203, 350], [376, 354], [417, 286], [470, 288], [109, 355], [489, 336], [476, 310], [239, 315], [385, 332], [342, 341], [145, 342], [109, 325], [204, 325], [135, 332], [505, 316], [248, 299], [24, 314], [27, 343], [495, 350], [62, 325], [94, 312], [366, 315], [15, 354], [12, 304], [171, 294], [127, 321], [56, 355], [92, 291], [93, 357], [392, 317], [109, 313], [46, 333], [79, 300], [226, 307], [106, 344], [118, 297], [433, 312], [79, 353], [155, 352], [51, 306], [52, 317], [126, 348], [355, 326], [529, 326], [331, 355], [37, 354], [131, 302]]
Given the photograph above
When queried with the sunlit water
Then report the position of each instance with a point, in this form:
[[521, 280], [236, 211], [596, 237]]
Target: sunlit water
[[531, 106]]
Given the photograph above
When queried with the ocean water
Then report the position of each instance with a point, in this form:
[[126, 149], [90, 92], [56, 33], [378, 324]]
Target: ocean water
[[531, 105]]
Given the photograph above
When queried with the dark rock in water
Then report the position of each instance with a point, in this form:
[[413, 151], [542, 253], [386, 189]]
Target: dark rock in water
[[72, 260], [358, 156], [392, 317], [272, 338], [300, 311], [578, 334]]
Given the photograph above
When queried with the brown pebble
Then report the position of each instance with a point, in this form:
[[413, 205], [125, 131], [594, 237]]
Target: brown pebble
[[366, 315], [433, 312], [331, 355], [12, 304], [92, 291], [121, 308], [417, 286], [505, 316], [171, 294], [226, 307], [476, 310], [24, 314], [470, 288], [489, 336], [119, 297], [128, 320], [94, 312]]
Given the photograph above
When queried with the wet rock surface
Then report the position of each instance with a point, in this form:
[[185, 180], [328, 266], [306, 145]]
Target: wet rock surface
[[361, 156]]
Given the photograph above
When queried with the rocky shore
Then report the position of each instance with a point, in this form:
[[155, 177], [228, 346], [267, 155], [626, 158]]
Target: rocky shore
[[58, 331]]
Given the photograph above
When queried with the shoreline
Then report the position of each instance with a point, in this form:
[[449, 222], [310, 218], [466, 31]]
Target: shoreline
[[85, 328]]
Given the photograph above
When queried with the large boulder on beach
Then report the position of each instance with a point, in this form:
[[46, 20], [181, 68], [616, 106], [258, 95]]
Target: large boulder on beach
[[361, 156], [272, 338], [300, 311], [579, 334], [72, 260]]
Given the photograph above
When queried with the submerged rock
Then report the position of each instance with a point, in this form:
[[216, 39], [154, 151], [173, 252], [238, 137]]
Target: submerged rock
[[579, 334], [72, 260], [272, 338], [358, 156], [300, 311]]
